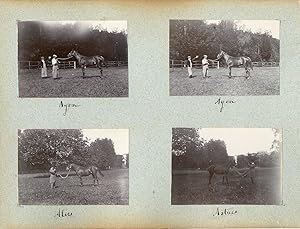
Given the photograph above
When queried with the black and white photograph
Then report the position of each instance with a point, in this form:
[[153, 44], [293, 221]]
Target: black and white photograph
[[73, 166], [224, 57], [72, 59], [226, 166]]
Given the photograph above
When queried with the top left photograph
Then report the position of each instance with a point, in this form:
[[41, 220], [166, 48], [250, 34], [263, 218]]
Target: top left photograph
[[72, 59]]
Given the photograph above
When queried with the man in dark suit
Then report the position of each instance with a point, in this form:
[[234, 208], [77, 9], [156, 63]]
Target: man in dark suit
[[189, 63]]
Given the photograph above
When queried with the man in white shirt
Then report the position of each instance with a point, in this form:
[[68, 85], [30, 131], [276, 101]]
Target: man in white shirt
[[205, 66], [55, 62]]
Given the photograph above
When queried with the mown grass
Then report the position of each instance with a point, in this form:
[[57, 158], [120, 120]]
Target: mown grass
[[191, 187], [34, 189], [263, 81], [113, 84]]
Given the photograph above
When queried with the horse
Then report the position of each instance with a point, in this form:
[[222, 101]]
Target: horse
[[85, 61], [85, 171], [236, 61], [220, 170]]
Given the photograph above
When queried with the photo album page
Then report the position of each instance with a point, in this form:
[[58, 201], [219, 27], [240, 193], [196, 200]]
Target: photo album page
[[150, 114]]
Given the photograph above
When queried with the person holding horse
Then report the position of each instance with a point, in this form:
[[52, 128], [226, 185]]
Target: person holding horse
[[43, 68], [55, 62], [189, 63], [250, 171], [53, 176]]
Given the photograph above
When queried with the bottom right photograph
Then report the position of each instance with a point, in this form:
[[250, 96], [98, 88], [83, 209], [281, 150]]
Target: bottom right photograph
[[226, 166]]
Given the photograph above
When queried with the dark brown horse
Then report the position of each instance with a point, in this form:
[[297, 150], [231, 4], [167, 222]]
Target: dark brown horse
[[236, 62], [220, 170], [85, 171], [85, 61]]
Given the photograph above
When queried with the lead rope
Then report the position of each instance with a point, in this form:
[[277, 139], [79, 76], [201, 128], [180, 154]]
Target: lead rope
[[65, 176]]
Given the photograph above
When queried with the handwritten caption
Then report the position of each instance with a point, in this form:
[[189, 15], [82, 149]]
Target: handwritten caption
[[225, 212], [67, 106], [62, 213], [222, 103]]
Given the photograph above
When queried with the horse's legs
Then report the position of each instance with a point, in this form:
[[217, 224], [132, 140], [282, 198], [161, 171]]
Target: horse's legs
[[229, 72], [210, 176], [80, 180], [83, 71], [100, 68], [94, 179], [247, 72]]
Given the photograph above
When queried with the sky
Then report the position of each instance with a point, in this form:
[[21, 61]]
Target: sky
[[257, 25], [113, 25], [120, 137], [241, 140]]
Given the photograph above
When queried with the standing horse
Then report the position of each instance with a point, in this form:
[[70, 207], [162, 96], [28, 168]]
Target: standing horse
[[236, 61], [85, 171], [85, 61], [220, 170]]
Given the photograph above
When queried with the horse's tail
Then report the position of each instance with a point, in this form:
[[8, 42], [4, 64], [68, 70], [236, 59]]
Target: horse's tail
[[99, 171], [102, 61], [250, 63]]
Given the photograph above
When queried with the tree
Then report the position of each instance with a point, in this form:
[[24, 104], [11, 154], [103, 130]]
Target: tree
[[196, 37], [186, 143], [36, 39], [216, 151], [102, 153], [40, 148]]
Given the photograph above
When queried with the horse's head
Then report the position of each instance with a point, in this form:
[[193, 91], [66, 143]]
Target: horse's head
[[220, 55], [232, 162], [72, 53]]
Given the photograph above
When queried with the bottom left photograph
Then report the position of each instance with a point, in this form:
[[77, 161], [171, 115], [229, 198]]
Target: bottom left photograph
[[73, 166]]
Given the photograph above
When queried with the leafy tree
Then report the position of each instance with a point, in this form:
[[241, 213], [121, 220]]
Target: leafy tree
[[40, 148], [196, 37], [36, 39], [102, 153], [216, 151]]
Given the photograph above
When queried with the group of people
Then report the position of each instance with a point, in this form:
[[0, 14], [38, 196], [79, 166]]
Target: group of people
[[54, 62], [205, 62]]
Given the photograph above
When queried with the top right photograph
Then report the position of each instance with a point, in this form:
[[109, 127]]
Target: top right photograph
[[224, 57]]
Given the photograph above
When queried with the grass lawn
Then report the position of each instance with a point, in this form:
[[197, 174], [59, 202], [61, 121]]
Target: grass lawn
[[263, 81], [191, 187], [113, 84], [34, 189]]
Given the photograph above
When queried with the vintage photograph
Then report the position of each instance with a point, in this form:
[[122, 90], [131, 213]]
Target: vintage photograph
[[224, 57], [72, 59], [73, 166], [226, 166]]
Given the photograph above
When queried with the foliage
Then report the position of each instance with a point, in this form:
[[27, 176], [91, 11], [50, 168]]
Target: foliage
[[102, 153], [36, 39], [40, 148], [190, 151], [196, 37]]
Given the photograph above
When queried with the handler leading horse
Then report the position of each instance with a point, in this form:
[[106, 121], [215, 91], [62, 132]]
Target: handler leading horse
[[85, 171], [236, 61], [85, 61]]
